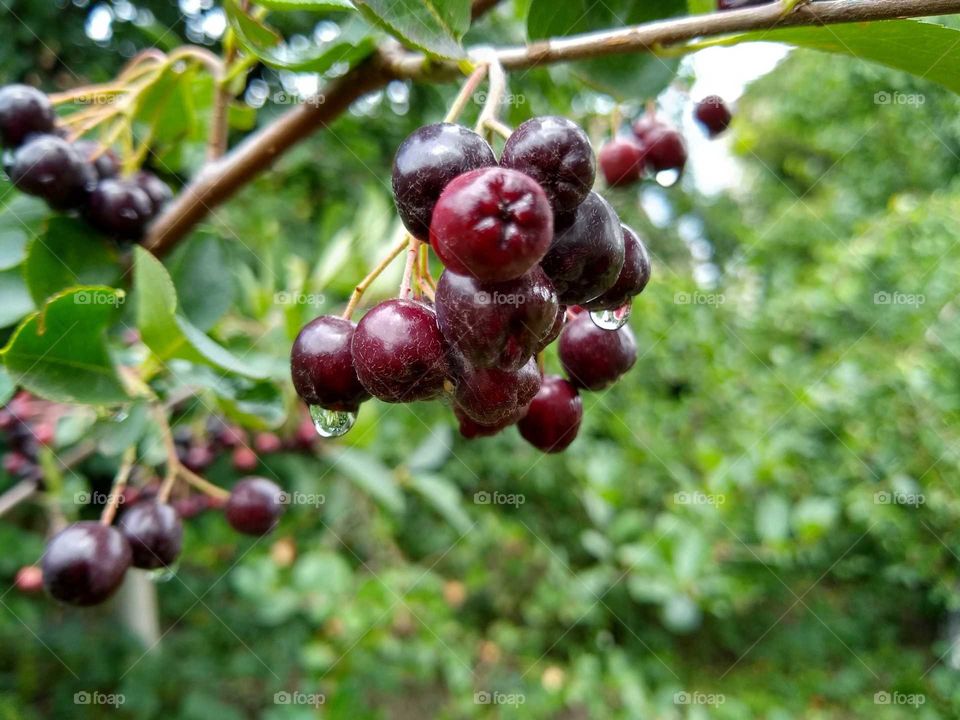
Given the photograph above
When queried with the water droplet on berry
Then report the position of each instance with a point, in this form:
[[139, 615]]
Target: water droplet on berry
[[331, 423], [611, 319], [165, 573]]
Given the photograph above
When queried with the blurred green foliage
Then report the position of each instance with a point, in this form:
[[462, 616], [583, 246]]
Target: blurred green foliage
[[759, 521]]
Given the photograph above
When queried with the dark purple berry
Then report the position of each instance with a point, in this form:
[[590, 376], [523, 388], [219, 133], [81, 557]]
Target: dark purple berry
[[553, 418], [104, 160], [120, 209], [622, 161], [24, 111], [489, 396], [267, 443], [713, 114], [322, 365], [399, 352], [633, 277], [154, 532], [85, 563], [425, 164], [496, 324], [665, 149], [471, 429], [556, 153], [587, 252], [199, 457], [155, 188], [554, 332], [592, 357], [493, 223], [48, 167], [255, 506], [245, 460]]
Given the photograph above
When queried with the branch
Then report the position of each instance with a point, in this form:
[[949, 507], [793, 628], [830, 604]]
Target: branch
[[219, 182]]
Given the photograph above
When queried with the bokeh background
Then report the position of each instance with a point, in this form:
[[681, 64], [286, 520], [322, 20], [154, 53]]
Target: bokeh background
[[759, 521]]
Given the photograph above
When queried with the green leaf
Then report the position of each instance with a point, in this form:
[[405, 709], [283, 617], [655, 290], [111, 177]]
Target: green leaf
[[445, 498], [13, 246], [253, 404], [311, 5], [433, 451], [15, 300], [370, 475], [60, 353], [67, 253], [115, 435], [204, 297], [926, 50], [168, 334], [700, 7], [625, 76], [7, 387], [434, 26]]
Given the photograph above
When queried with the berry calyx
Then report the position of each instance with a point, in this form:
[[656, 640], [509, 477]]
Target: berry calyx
[[399, 352], [496, 324], [24, 111], [556, 153], [119, 208], [489, 396], [492, 223], [425, 164], [593, 358], [713, 114], [633, 277], [553, 418], [322, 365], [48, 167], [587, 253], [154, 532], [622, 161], [255, 506], [85, 563]]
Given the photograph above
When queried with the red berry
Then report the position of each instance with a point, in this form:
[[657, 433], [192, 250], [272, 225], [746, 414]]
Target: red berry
[[399, 352], [29, 579], [425, 164], [556, 153], [267, 443], [713, 114], [553, 418], [322, 365], [24, 111], [496, 324], [633, 277], [622, 161], [154, 532], [587, 253], [554, 332], [255, 506], [489, 396], [592, 357], [493, 223], [471, 429], [199, 457], [665, 149], [245, 459], [85, 563]]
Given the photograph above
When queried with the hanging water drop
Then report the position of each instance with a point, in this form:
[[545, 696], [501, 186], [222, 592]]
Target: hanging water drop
[[667, 178], [331, 423], [611, 319]]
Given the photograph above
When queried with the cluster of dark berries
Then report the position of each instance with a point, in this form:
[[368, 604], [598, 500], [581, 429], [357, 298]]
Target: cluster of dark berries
[[529, 250], [25, 427], [654, 145], [79, 176]]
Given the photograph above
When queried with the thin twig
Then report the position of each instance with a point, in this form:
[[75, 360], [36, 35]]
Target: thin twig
[[466, 92], [204, 486], [362, 286], [119, 483], [409, 271]]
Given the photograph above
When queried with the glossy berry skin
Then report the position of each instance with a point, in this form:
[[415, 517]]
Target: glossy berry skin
[[255, 506], [645, 125], [622, 161], [24, 111], [713, 114], [556, 153], [496, 324], [594, 358], [493, 223], [322, 366], [489, 396], [120, 209], [85, 563], [665, 149], [553, 418], [633, 277], [587, 253], [154, 532], [470, 429], [399, 352], [104, 161], [48, 167], [425, 164], [155, 188], [554, 332]]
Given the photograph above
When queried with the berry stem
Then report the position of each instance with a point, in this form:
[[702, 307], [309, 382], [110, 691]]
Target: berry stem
[[498, 86], [119, 483], [408, 271], [204, 486], [466, 92], [362, 286], [500, 128], [173, 462]]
